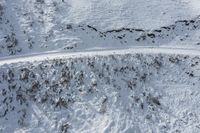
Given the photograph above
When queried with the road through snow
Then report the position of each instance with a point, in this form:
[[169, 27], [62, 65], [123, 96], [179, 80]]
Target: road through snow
[[59, 55]]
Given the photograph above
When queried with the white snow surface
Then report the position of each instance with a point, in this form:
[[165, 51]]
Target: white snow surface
[[99, 66], [117, 92], [31, 26], [145, 14]]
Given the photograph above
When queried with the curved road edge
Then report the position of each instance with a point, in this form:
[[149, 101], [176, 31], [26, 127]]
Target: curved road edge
[[101, 52]]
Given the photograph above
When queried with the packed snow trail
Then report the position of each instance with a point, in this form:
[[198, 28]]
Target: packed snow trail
[[58, 55]]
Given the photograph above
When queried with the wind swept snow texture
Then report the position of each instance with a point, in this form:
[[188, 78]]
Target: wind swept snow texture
[[32, 26], [124, 93]]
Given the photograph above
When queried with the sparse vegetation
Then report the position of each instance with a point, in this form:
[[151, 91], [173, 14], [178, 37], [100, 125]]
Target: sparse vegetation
[[101, 91]]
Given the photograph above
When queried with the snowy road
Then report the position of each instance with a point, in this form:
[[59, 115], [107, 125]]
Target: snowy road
[[59, 55]]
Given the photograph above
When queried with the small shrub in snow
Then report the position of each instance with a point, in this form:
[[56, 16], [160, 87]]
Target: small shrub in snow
[[69, 26], [1, 10], [64, 127], [40, 1]]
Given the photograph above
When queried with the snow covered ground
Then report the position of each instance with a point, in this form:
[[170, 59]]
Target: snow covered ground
[[116, 92], [31, 26], [102, 66]]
